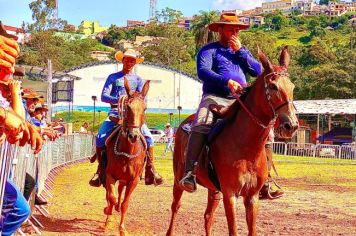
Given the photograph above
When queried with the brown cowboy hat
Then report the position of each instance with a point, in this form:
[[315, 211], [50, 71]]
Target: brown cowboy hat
[[119, 56], [228, 19], [29, 93]]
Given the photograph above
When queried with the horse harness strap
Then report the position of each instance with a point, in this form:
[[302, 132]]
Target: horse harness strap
[[125, 154], [268, 96]]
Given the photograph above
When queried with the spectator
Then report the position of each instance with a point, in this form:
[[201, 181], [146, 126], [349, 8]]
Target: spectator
[[15, 208], [169, 132], [84, 128]]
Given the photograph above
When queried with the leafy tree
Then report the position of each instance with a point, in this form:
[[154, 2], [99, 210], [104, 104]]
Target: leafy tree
[[327, 81], [43, 15], [45, 45], [175, 50], [199, 27], [316, 55], [168, 15]]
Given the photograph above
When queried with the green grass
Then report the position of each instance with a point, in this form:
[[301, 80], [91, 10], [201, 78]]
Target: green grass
[[154, 120], [297, 171]]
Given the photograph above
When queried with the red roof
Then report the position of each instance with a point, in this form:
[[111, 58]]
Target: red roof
[[14, 29]]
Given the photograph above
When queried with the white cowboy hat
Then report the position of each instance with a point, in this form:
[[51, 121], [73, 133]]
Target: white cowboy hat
[[119, 56]]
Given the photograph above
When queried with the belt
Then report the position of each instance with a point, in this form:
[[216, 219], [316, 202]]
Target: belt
[[113, 106]]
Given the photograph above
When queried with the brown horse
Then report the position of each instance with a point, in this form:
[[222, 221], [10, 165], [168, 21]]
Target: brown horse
[[238, 153], [126, 150]]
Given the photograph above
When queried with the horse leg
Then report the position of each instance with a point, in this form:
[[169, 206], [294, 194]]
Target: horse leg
[[130, 186], [176, 203], [230, 209], [214, 198], [110, 194], [251, 208], [120, 189]]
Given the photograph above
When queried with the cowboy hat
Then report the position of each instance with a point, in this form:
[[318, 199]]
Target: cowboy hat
[[228, 19], [119, 56], [168, 124], [29, 93]]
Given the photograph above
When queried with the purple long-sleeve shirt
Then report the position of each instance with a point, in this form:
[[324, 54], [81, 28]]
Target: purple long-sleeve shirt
[[217, 64]]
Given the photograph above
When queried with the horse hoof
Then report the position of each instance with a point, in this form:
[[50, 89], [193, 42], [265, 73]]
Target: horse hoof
[[108, 211]]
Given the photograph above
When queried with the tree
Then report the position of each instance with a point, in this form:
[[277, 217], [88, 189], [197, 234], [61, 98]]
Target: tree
[[168, 15], [43, 15], [176, 49], [199, 27], [327, 81], [276, 20]]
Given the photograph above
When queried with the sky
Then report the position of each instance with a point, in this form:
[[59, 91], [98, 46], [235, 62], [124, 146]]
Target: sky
[[107, 12]]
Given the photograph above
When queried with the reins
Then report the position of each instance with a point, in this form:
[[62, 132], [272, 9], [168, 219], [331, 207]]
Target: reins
[[268, 96]]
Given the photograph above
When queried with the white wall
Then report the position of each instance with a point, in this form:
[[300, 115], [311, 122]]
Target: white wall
[[164, 87]]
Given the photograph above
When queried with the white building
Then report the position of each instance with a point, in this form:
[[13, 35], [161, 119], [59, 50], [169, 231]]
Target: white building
[[168, 89]]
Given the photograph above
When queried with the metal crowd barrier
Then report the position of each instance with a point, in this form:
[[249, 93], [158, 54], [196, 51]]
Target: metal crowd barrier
[[315, 150], [43, 166]]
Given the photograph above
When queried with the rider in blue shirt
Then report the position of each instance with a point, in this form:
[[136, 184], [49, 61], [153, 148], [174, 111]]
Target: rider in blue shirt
[[221, 66], [113, 89]]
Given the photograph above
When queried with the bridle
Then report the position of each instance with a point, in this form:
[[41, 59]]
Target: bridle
[[122, 110], [268, 96]]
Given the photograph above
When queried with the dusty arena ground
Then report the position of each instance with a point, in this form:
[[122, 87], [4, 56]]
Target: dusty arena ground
[[320, 199]]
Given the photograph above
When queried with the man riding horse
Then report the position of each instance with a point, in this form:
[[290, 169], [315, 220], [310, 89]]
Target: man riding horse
[[114, 89], [221, 67]]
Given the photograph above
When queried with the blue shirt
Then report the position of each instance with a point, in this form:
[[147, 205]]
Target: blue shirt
[[216, 65], [114, 86]]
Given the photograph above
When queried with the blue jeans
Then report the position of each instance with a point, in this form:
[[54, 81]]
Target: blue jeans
[[108, 126], [169, 145], [15, 209]]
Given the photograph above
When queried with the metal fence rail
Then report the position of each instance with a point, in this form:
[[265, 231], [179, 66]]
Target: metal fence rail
[[21, 160], [347, 152]]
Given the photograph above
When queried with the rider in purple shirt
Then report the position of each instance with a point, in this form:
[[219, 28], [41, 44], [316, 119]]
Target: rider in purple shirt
[[221, 67]]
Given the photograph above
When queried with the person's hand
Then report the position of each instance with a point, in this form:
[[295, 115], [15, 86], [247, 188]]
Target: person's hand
[[15, 87], [51, 134], [36, 139], [9, 50], [234, 86], [13, 126], [235, 43]]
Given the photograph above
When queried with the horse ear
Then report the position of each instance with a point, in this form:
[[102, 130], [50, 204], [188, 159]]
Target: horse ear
[[127, 87], [284, 58], [267, 65], [145, 88]]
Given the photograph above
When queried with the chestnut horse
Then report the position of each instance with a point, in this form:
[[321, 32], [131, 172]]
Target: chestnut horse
[[126, 150], [238, 153]]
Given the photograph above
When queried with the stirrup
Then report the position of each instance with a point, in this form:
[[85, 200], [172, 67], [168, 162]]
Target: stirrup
[[188, 179]]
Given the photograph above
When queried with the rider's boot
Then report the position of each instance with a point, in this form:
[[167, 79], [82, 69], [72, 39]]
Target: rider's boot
[[151, 175], [196, 143], [96, 181], [267, 192]]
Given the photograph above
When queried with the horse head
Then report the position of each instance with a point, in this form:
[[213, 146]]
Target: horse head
[[134, 110], [279, 92]]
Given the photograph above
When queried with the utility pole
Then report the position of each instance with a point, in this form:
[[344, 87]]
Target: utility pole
[[153, 6]]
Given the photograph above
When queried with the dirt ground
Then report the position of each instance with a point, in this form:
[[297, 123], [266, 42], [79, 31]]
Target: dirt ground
[[77, 209]]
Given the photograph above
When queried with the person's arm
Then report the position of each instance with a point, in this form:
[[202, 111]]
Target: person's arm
[[16, 100], [205, 65], [105, 94], [248, 63]]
